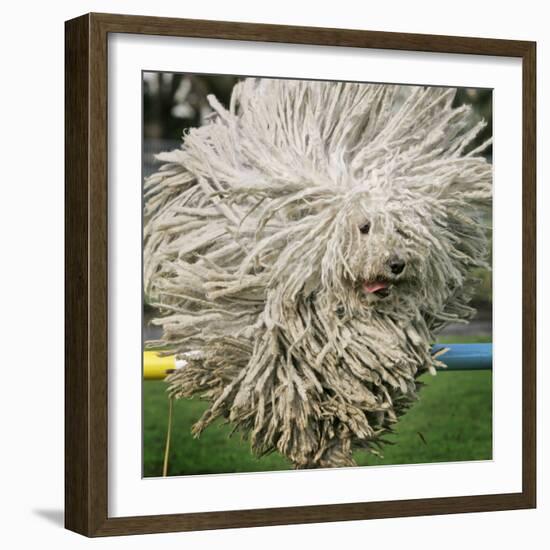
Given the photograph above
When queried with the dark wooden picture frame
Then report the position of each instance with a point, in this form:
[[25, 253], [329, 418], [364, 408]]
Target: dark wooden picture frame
[[86, 282]]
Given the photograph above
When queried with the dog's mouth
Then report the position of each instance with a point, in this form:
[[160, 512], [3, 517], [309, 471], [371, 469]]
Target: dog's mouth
[[378, 287]]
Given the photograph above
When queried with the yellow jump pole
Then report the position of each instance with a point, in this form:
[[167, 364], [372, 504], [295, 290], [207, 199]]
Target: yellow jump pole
[[157, 367]]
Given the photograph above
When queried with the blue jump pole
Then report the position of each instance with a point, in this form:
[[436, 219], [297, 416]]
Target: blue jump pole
[[466, 356]]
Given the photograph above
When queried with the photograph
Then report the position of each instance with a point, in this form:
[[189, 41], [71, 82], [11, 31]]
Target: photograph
[[299, 282], [317, 274]]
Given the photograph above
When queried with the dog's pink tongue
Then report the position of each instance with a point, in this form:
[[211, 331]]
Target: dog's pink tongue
[[375, 286]]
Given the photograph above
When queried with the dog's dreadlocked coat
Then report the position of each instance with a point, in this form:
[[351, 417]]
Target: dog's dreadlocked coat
[[307, 244]]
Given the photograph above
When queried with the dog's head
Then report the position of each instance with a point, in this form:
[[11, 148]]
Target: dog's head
[[398, 242], [404, 242], [389, 253]]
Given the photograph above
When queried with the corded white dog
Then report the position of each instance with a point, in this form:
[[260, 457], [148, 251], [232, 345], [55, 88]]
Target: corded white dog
[[310, 242]]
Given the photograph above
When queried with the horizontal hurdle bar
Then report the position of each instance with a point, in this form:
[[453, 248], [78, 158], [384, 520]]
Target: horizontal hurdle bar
[[466, 356], [458, 357]]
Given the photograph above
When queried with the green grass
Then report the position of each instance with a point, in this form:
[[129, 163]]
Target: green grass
[[452, 421]]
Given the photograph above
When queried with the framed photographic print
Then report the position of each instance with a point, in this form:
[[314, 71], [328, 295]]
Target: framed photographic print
[[300, 280]]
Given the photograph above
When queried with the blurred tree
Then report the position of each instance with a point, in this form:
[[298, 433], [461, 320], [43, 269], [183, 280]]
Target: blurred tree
[[173, 102]]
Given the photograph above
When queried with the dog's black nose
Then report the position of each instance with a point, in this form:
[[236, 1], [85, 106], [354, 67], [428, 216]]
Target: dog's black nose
[[397, 266]]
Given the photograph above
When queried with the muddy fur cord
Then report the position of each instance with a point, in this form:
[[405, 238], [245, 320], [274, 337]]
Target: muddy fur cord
[[308, 244]]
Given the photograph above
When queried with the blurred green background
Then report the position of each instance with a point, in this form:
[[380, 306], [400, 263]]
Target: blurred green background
[[452, 420]]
